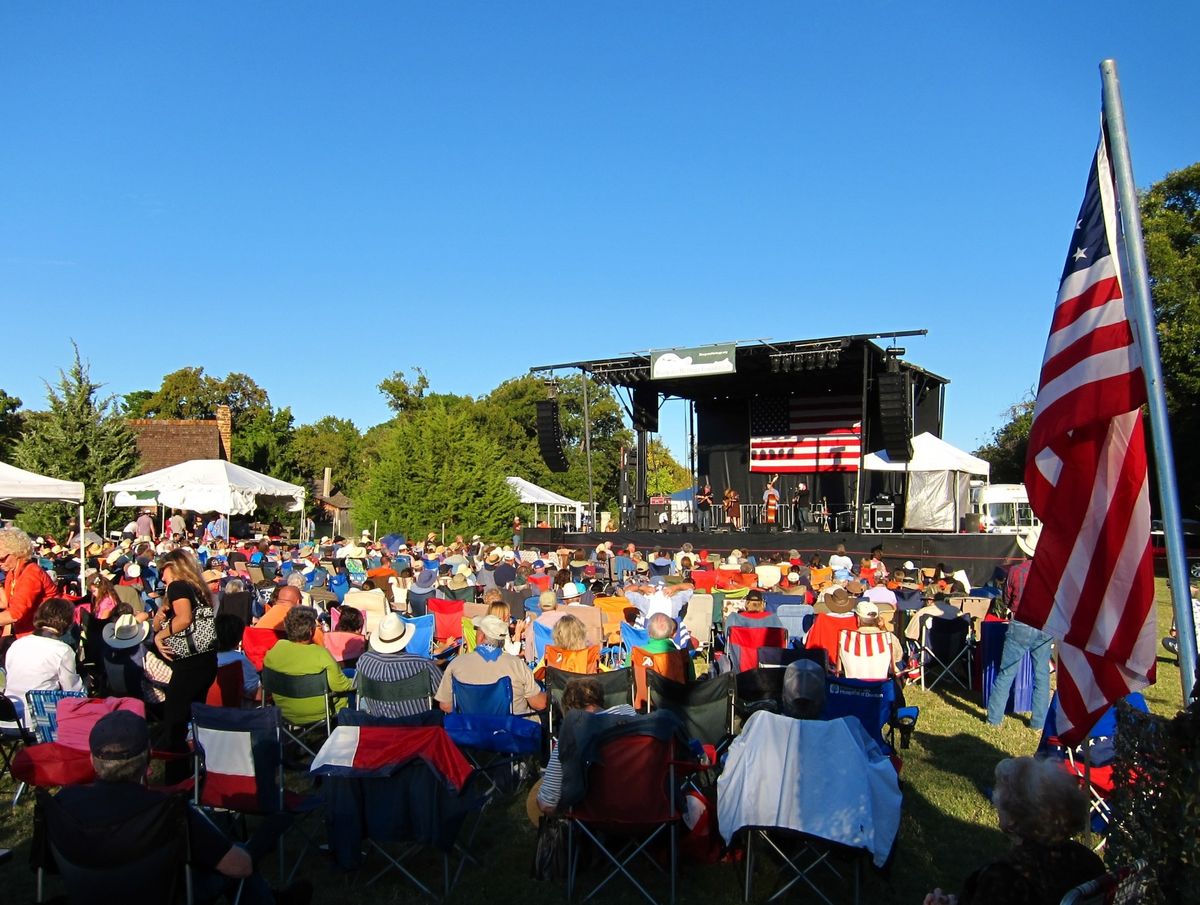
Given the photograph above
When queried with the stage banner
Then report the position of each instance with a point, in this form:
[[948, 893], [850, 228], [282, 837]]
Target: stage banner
[[698, 362], [805, 435]]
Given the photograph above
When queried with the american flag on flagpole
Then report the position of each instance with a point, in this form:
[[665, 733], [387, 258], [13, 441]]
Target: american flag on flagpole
[[796, 435], [1091, 583]]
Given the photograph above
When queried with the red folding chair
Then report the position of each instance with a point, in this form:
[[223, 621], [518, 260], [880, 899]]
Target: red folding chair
[[447, 618], [743, 643], [227, 689], [257, 641]]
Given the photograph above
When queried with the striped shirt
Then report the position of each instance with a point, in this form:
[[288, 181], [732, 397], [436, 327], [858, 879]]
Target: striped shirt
[[392, 668]]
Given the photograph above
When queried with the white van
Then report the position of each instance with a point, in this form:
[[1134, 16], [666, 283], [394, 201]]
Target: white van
[[1003, 508]]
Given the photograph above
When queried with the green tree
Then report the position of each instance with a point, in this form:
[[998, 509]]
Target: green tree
[[403, 393], [80, 438], [262, 440], [436, 469], [1009, 443], [333, 443], [1171, 224], [664, 475], [190, 393], [133, 405], [10, 424]]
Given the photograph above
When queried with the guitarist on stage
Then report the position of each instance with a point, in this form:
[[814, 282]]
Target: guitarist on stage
[[733, 508], [704, 504]]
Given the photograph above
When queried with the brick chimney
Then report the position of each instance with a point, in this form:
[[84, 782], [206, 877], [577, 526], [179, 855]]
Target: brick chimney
[[225, 428]]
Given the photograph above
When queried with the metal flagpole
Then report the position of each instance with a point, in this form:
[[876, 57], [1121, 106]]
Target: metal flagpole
[[587, 449], [1141, 314]]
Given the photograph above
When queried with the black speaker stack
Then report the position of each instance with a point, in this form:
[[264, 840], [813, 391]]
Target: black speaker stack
[[550, 435], [645, 409], [895, 415]]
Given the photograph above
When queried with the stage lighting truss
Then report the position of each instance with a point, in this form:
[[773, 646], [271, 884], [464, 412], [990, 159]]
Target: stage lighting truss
[[817, 358]]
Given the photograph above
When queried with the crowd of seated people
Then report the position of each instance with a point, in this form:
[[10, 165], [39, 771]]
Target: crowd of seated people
[[164, 638]]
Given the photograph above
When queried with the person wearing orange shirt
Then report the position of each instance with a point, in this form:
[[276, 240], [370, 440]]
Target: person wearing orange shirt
[[286, 598], [26, 584]]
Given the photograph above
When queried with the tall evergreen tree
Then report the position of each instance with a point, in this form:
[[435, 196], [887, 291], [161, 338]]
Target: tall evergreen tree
[[436, 468], [79, 438]]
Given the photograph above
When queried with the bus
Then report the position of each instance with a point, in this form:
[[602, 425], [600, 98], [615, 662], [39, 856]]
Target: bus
[[1002, 508]]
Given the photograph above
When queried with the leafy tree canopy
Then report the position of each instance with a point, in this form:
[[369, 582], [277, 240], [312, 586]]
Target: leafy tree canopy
[[333, 443], [11, 424], [1009, 443], [663, 474], [404, 393], [190, 393], [434, 469], [80, 437]]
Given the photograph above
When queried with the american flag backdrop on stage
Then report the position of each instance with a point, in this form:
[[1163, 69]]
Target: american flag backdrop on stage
[[805, 435], [1091, 584]]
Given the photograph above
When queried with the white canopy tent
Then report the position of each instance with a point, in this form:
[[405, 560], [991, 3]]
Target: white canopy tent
[[939, 482], [206, 485], [555, 504], [18, 484]]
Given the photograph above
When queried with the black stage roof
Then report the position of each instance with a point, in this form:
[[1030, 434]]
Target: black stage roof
[[760, 363]]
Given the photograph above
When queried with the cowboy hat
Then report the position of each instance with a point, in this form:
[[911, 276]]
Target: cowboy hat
[[211, 575], [769, 575], [458, 582], [570, 591], [493, 558], [837, 600], [392, 635], [126, 631]]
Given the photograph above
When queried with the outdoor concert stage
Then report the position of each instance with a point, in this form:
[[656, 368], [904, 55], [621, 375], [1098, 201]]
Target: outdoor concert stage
[[978, 554]]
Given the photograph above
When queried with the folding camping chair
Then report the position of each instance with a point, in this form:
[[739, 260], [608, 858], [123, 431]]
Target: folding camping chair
[[12, 737], [797, 618], [631, 637], [1123, 886], [447, 618], [673, 664], [1092, 761], [585, 662], [402, 691], [498, 744], [107, 861], [743, 643], [631, 798], [944, 642], [399, 790], [238, 770], [616, 683], [757, 689], [227, 689], [421, 644], [705, 708], [698, 619], [873, 704], [41, 711], [314, 685]]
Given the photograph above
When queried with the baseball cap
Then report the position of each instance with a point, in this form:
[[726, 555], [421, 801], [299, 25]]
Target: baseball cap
[[118, 736]]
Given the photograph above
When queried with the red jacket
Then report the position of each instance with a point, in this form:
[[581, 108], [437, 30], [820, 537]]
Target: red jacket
[[27, 586]]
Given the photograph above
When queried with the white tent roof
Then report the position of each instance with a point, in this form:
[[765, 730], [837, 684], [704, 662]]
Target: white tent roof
[[18, 484], [533, 494], [211, 485], [929, 454]]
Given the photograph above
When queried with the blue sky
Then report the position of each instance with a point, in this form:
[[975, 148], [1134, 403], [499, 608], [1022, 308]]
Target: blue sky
[[320, 194]]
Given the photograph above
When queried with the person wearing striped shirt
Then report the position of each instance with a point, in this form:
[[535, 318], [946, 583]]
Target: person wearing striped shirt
[[386, 660]]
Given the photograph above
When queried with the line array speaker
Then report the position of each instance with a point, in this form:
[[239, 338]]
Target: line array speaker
[[645, 409], [550, 435], [895, 415]]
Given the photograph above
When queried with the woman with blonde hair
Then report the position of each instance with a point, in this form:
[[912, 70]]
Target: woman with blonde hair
[[516, 630], [569, 633], [185, 635], [1040, 807], [26, 584]]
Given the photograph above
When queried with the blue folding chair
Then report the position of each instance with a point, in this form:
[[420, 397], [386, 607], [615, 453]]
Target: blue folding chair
[[422, 640], [41, 711], [542, 635], [797, 618], [339, 584], [873, 704], [631, 637], [621, 565], [494, 699], [497, 743], [773, 602]]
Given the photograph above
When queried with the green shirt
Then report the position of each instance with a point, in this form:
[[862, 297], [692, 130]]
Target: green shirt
[[294, 659]]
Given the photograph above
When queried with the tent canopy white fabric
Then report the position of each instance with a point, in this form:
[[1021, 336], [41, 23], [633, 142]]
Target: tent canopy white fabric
[[18, 484], [531, 493], [929, 453], [209, 485]]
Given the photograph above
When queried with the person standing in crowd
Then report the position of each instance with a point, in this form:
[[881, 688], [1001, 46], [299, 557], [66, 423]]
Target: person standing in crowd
[[704, 504], [177, 524], [1019, 640], [516, 533], [217, 529], [185, 635], [145, 525], [26, 584]]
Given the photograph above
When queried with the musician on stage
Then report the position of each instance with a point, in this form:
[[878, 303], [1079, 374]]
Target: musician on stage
[[733, 508], [704, 504], [771, 501], [800, 504]]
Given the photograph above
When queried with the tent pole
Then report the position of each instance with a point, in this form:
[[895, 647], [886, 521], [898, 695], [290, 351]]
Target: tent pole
[[82, 556]]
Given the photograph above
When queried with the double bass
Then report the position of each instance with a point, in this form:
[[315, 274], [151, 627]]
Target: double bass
[[771, 501]]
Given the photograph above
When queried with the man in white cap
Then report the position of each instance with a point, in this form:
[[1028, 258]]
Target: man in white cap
[[486, 665], [388, 660]]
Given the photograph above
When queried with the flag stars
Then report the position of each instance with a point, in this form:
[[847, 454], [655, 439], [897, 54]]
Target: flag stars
[[1079, 253]]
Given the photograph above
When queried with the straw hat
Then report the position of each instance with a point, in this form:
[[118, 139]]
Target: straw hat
[[125, 632], [392, 635]]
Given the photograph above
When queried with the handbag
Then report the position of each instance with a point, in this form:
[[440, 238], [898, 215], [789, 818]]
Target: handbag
[[198, 638], [550, 854]]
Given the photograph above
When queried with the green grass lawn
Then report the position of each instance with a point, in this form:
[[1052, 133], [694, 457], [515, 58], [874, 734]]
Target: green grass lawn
[[948, 827]]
